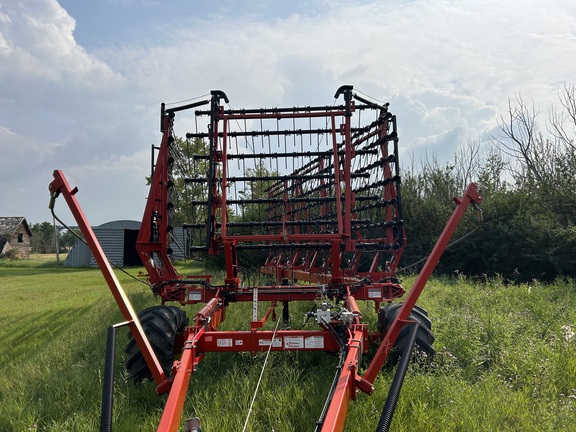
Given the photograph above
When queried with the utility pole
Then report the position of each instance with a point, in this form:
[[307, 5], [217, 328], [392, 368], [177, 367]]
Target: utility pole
[[57, 241]]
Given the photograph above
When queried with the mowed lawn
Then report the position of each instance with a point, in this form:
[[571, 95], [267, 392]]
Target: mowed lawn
[[506, 362]]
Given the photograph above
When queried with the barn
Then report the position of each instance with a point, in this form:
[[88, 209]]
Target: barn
[[118, 241], [15, 236]]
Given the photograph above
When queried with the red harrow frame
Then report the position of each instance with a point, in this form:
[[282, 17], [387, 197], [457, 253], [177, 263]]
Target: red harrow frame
[[313, 190]]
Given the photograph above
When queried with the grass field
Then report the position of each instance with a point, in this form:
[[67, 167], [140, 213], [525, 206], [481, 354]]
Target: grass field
[[506, 362]]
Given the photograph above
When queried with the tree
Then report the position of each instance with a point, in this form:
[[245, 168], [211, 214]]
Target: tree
[[427, 191], [467, 163], [189, 175], [255, 189], [69, 239], [561, 121], [43, 238], [543, 166]]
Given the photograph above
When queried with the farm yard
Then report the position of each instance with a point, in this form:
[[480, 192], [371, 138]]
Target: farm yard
[[329, 235], [341, 198], [506, 360]]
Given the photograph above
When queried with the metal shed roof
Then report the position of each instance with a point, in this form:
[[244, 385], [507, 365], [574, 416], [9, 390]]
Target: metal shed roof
[[111, 236]]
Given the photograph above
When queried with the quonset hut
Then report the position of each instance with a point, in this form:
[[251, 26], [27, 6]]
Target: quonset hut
[[118, 241]]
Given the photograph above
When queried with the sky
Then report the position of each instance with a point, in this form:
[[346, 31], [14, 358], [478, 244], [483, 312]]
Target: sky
[[81, 82]]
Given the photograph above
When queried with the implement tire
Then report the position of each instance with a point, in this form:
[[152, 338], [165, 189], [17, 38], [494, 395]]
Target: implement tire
[[424, 338], [162, 325]]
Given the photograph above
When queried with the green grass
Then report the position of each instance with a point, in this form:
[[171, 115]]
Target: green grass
[[503, 362], [34, 261]]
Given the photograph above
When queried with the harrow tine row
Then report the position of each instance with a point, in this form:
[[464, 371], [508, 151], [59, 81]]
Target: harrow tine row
[[313, 196]]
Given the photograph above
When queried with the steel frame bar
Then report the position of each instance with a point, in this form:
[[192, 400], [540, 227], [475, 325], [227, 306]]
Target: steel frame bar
[[260, 340], [310, 210], [183, 369], [471, 195], [349, 381], [346, 386], [152, 238], [377, 292], [59, 186]]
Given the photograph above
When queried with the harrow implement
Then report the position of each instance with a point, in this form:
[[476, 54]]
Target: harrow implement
[[311, 196]]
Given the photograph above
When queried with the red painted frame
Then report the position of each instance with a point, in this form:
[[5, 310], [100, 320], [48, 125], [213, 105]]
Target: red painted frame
[[60, 186], [348, 285]]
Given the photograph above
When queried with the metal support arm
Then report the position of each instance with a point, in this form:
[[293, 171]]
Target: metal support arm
[[60, 186]]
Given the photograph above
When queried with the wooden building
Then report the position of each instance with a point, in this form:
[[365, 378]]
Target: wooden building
[[15, 236]]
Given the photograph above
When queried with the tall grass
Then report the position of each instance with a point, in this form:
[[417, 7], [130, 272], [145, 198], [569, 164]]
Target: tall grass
[[505, 362]]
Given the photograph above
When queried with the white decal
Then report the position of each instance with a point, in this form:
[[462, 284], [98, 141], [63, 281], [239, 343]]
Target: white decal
[[194, 296], [266, 342], [374, 293], [314, 342], [294, 342], [224, 342]]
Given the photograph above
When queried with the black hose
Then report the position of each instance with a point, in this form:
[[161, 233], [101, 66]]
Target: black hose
[[394, 392], [343, 353], [320, 421], [108, 383], [286, 313]]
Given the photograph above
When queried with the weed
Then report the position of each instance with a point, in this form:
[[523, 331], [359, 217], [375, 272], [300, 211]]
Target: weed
[[505, 361]]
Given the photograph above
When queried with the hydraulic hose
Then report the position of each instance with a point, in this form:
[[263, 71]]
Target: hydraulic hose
[[343, 352], [320, 421], [108, 383], [394, 392]]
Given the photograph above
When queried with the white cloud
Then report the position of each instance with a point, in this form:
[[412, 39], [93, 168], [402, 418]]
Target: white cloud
[[26, 148], [447, 67], [38, 44], [110, 187]]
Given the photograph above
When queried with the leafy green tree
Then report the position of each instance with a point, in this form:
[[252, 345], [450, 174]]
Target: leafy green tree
[[427, 193], [255, 189], [68, 239], [43, 238], [190, 172], [542, 166]]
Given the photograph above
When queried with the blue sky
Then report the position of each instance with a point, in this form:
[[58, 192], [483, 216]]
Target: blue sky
[[81, 82]]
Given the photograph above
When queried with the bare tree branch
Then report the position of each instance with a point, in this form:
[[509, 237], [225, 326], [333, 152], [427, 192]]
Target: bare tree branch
[[467, 162], [558, 120], [519, 137]]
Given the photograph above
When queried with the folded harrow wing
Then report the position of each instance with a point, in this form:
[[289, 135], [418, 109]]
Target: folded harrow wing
[[310, 196]]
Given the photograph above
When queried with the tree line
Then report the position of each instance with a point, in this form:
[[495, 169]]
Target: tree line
[[527, 179], [45, 237], [525, 175]]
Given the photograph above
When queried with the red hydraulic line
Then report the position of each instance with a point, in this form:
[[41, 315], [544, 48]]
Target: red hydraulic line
[[470, 196], [60, 186]]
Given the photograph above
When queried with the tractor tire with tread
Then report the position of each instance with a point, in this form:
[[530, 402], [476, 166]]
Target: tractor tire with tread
[[162, 325], [424, 337]]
